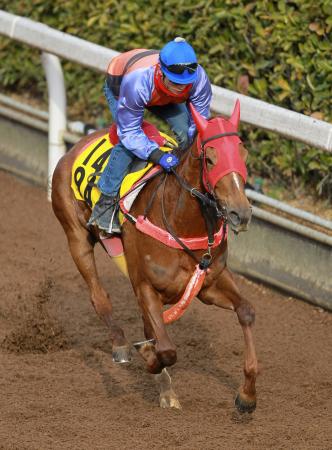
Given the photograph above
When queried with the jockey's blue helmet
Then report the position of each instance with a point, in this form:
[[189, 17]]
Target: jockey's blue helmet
[[178, 61]]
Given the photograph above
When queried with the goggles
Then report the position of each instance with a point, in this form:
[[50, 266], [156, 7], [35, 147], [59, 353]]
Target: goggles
[[180, 68]]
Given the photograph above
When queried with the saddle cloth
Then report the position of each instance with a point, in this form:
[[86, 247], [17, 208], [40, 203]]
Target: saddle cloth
[[92, 159]]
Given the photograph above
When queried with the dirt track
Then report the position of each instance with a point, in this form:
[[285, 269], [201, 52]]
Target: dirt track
[[60, 390]]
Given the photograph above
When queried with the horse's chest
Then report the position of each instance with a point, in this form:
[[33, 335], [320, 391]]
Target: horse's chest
[[168, 277]]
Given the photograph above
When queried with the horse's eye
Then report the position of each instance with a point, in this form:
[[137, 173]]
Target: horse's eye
[[210, 158], [209, 163]]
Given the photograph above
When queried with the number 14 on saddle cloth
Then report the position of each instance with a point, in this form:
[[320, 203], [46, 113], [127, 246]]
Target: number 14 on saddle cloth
[[90, 163]]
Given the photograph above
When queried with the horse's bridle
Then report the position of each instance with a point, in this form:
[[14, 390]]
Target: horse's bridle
[[208, 200], [210, 205], [217, 136]]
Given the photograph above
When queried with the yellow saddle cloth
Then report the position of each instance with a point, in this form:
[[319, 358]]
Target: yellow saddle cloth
[[90, 164]]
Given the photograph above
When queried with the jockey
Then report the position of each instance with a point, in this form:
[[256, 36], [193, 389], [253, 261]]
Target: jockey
[[162, 82]]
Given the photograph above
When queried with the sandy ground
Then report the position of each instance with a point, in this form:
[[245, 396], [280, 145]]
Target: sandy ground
[[59, 388]]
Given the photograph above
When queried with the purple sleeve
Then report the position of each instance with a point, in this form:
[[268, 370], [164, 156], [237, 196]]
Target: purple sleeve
[[200, 97], [135, 93]]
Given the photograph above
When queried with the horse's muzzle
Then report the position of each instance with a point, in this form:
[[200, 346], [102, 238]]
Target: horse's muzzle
[[239, 219]]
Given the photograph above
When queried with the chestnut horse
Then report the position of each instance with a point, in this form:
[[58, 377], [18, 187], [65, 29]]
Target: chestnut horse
[[204, 192]]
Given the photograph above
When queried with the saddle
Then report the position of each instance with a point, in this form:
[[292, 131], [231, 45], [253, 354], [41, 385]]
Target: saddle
[[92, 159]]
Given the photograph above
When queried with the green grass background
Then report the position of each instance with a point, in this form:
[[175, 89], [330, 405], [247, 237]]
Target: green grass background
[[277, 51]]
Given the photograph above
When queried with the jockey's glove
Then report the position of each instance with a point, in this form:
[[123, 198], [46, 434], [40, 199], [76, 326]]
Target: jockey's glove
[[164, 159]]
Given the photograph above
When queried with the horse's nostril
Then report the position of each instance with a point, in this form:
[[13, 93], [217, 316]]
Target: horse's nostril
[[234, 218]]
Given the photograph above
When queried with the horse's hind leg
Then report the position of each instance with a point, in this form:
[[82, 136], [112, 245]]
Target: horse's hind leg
[[82, 250], [225, 294], [81, 244], [73, 216]]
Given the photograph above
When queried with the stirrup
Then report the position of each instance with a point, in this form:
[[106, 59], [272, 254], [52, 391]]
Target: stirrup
[[103, 212], [114, 225]]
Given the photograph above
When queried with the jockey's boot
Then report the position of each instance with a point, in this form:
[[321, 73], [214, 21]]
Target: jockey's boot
[[105, 214]]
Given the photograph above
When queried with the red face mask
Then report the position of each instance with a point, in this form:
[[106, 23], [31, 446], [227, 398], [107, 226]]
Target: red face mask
[[160, 86], [226, 146]]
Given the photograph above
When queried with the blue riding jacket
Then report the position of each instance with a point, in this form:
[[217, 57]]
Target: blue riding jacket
[[138, 88]]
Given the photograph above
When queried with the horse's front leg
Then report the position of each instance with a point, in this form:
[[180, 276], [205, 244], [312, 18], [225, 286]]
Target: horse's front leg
[[82, 250], [161, 354], [225, 294], [152, 307]]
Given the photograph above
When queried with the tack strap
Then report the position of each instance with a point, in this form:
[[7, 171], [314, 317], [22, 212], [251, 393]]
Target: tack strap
[[197, 243], [169, 238], [137, 57], [195, 192], [193, 287], [217, 136]]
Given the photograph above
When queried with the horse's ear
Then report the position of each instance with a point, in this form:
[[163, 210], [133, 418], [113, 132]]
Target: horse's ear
[[200, 122], [235, 117]]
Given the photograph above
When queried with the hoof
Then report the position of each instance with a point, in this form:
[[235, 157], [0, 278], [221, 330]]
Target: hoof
[[169, 400], [147, 351], [121, 354], [244, 406], [139, 345]]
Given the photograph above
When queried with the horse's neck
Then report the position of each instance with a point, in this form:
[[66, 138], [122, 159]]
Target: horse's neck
[[189, 168], [186, 216]]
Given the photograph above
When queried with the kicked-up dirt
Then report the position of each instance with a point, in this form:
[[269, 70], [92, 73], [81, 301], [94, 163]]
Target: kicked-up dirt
[[59, 388]]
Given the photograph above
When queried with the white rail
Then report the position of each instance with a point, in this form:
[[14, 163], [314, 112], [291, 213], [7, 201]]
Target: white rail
[[254, 112], [290, 210], [57, 107], [53, 41]]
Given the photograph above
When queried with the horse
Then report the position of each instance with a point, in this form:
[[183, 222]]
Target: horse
[[204, 194]]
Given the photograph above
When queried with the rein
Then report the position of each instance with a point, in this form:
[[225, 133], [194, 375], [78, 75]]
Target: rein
[[208, 206], [212, 213], [170, 229], [206, 259], [196, 193]]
